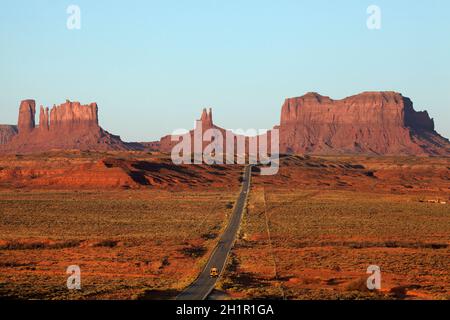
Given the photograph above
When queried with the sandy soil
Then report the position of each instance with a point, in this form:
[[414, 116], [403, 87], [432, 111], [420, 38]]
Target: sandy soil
[[141, 228]]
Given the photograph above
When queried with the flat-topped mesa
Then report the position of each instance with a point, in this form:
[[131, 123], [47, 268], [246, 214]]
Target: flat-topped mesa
[[68, 126], [376, 108], [73, 114], [27, 112], [369, 108], [370, 122], [68, 115]]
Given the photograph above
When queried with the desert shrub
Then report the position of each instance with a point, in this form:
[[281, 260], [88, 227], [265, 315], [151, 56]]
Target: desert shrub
[[164, 262], [194, 251], [107, 243], [209, 236], [229, 205], [15, 245]]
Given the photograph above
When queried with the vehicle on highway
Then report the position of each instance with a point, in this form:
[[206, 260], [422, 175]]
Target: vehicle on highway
[[214, 273]]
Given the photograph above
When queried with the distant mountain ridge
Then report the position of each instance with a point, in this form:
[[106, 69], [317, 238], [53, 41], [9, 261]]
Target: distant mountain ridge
[[372, 123]]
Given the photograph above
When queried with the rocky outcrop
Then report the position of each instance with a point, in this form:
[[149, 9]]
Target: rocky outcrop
[[27, 113], [383, 123], [167, 143], [222, 145], [206, 118], [75, 170], [70, 125], [152, 146], [44, 119], [73, 114], [373, 123], [205, 122], [7, 132]]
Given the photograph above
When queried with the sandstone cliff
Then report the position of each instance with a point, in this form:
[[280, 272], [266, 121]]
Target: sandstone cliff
[[27, 112], [206, 122], [383, 123], [222, 145], [7, 132], [376, 123], [372, 123], [70, 125]]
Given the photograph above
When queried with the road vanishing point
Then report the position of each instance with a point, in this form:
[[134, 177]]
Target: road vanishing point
[[202, 287]]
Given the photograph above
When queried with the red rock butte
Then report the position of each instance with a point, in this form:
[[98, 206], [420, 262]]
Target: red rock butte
[[167, 143], [372, 123], [379, 123], [70, 125], [7, 132], [206, 122]]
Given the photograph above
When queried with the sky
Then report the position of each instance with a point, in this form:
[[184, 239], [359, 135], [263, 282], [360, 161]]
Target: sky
[[153, 65]]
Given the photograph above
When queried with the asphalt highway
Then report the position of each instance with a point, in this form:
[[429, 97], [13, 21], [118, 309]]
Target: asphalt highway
[[204, 284]]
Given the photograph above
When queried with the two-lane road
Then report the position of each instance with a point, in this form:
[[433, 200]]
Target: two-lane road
[[204, 284]]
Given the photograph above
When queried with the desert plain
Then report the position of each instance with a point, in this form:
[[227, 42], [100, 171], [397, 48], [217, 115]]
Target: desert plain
[[140, 227]]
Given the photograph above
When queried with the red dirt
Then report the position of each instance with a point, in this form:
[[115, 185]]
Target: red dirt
[[111, 172]]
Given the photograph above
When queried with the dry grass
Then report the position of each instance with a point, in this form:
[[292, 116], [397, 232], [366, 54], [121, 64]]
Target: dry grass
[[323, 242], [127, 243], [329, 219]]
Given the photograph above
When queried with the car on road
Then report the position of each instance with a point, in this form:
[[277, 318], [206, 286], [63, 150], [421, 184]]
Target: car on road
[[214, 273]]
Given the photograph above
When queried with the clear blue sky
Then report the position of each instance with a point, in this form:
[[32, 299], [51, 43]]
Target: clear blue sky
[[152, 65]]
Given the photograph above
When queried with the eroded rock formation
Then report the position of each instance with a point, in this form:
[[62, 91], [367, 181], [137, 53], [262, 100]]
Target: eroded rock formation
[[208, 138], [70, 125], [205, 122], [376, 123], [372, 123], [44, 119], [7, 132], [383, 123], [27, 112]]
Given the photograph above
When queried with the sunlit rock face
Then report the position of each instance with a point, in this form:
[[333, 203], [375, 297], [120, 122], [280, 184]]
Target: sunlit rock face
[[382, 123], [68, 126]]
